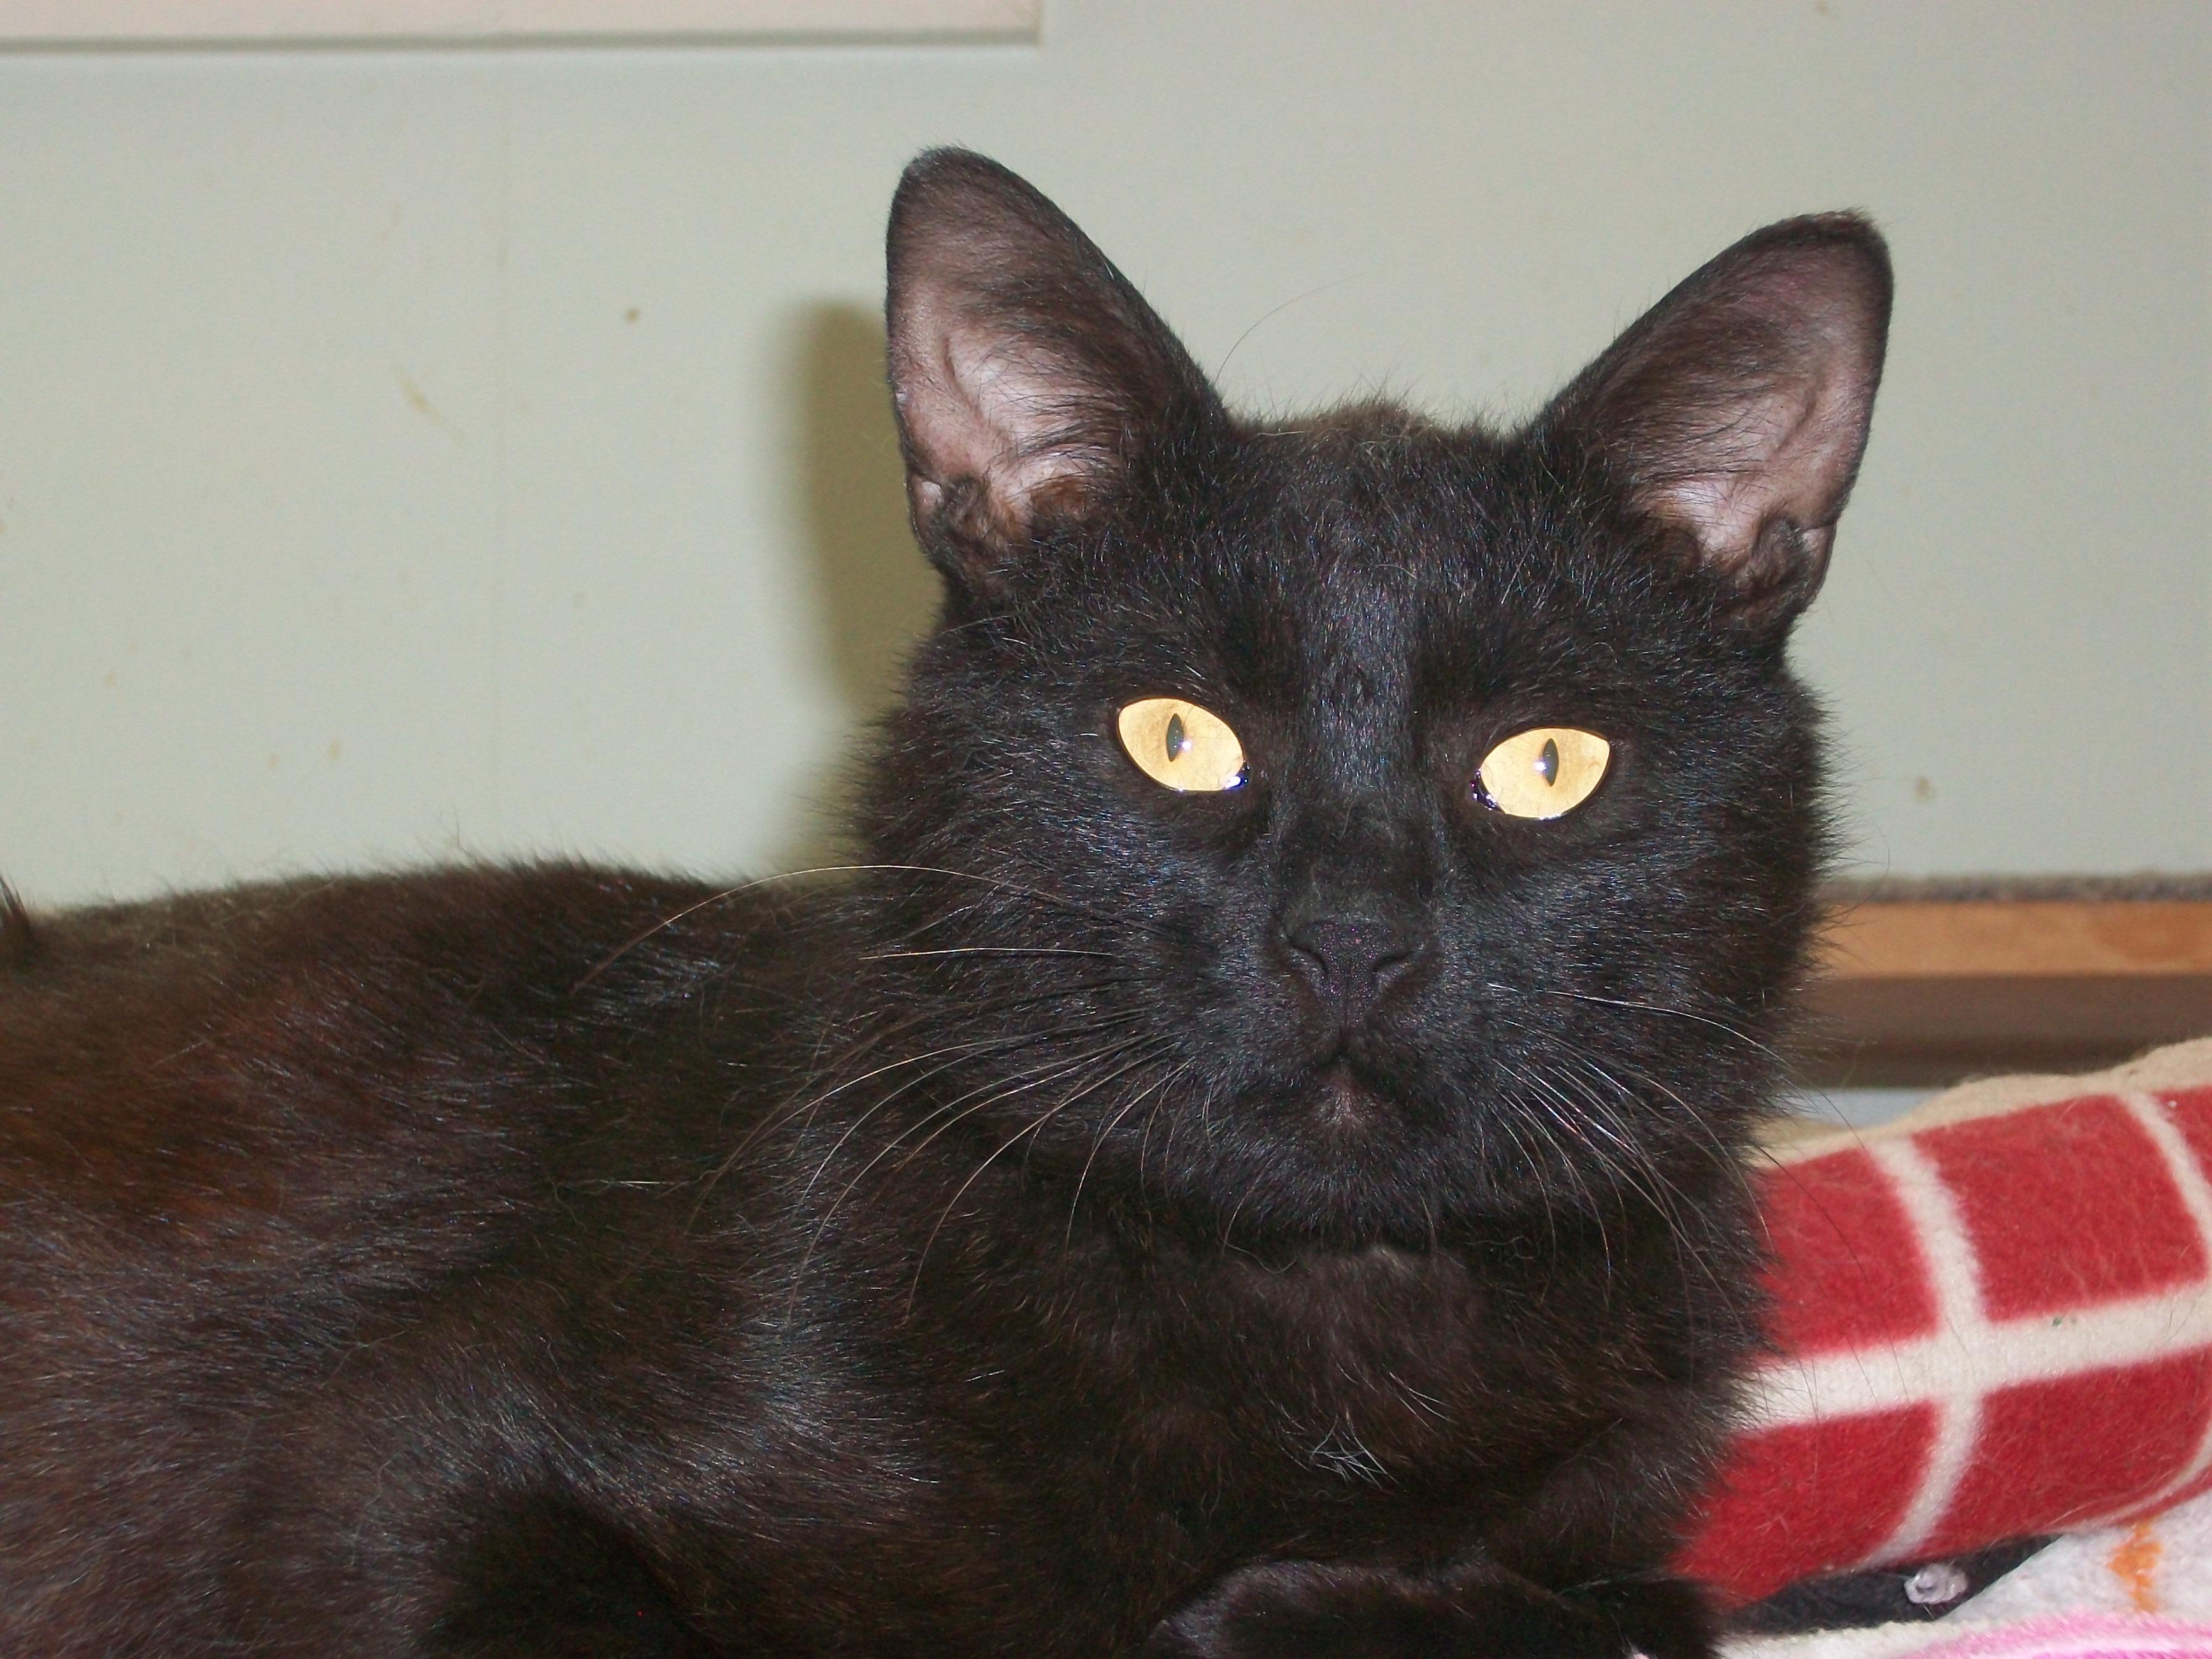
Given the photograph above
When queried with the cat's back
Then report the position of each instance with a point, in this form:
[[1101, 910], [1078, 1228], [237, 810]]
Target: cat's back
[[276, 1054], [245, 1135]]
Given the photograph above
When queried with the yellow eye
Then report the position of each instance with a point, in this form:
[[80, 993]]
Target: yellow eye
[[1181, 745], [1543, 773]]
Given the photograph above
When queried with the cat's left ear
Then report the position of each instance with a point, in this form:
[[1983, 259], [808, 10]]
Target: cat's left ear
[[1029, 378], [1736, 409]]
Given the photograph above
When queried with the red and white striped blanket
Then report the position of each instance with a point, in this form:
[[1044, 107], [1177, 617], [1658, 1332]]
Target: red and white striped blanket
[[1996, 1319]]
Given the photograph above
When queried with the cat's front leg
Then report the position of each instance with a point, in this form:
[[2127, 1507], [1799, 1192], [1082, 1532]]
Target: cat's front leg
[[1337, 1610]]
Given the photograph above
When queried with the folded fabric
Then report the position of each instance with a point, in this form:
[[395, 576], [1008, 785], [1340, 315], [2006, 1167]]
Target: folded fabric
[[2148, 1578], [1994, 1321], [2064, 1635], [2082, 1637]]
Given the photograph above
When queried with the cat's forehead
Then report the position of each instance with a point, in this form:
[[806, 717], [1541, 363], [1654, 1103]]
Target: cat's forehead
[[1371, 519], [1366, 558], [1370, 460], [1373, 556]]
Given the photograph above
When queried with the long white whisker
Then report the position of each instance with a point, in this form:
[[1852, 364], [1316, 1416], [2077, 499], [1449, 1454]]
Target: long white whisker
[[1026, 1130]]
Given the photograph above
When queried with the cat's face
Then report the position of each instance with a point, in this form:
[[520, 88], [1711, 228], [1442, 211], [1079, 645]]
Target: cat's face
[[1360, 825]]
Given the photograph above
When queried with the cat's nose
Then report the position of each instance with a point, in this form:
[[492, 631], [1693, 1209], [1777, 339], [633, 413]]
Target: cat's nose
[[1352, 962]]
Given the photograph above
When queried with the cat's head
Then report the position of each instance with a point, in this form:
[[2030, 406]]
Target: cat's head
[[1354, 824]]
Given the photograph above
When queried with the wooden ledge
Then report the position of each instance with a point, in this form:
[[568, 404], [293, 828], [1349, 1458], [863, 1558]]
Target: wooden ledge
[[2031, 939], [1925, 992]]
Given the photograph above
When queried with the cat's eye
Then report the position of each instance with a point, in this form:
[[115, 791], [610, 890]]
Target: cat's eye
[[1542, 773], [1180, 744]]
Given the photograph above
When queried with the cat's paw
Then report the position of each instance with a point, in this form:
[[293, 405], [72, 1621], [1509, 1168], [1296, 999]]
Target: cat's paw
[[1324, 1610], [1280, 1610]]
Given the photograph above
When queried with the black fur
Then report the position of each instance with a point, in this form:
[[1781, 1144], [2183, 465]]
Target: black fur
[[1024, 1245], [20, 945]]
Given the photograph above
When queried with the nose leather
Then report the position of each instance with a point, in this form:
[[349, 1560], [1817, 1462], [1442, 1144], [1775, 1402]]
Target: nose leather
[[1352, 962]]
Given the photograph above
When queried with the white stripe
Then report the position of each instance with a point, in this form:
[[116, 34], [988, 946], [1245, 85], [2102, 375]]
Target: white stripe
[[1969, 1356], [1951, 1274], [1939, 1367]]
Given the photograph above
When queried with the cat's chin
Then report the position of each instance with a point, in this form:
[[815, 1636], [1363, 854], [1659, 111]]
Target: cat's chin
[[1362, 1095], [1341, 1102], [1331, 1158]]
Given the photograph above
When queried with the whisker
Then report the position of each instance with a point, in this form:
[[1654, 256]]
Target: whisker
[[758, 882], [999, 884], [1037, 1078], [991, 950], [1628, 1163], [1034, 1081], [1158, 1047], [1067, 1239], [875, 1039], [1721, 1025]]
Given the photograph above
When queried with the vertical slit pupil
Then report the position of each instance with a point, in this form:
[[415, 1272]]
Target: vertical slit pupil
[[1547, 763], [1177, 739]]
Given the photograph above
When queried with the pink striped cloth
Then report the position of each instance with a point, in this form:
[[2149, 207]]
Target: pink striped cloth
[[2080, 1636], [1996, 1317]]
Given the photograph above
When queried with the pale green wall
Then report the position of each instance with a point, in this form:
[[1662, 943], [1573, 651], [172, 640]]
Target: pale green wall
[[345, 513]]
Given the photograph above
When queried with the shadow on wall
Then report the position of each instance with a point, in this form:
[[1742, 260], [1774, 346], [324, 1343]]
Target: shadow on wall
[[878, 595]]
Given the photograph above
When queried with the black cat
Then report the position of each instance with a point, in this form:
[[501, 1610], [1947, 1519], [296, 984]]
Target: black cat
[[1249, 1164]]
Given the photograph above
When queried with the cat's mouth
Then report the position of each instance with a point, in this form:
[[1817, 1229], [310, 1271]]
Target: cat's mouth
[[1343, 1101]]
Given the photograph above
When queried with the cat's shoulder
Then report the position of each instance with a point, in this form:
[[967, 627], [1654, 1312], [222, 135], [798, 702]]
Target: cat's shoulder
[[336, 962], [199, 1044], [460, 908]]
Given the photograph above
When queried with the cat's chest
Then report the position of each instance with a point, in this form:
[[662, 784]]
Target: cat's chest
[[1362, 1375]]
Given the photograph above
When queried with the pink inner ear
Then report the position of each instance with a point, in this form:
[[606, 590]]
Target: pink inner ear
[[1024, 450], [1029, 375], [985, 409], [1787, 455], [1736, 409]]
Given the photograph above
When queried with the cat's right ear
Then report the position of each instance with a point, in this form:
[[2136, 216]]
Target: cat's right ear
[[1028, 376]]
